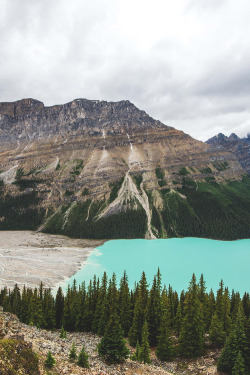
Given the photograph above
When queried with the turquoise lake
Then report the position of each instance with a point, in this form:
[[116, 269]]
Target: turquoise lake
[[178, 259]]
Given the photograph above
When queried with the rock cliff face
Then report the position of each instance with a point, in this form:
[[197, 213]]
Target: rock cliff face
[[108, 157], [240, 147]]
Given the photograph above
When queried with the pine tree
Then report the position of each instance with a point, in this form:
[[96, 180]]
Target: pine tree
[[80, 308], [191, 340], [178, 321], [72, 353], [48, 310], [88, 315], [112, 346], [59, 303], [239, 367], [67, 320], [25, 307], [35, 310], [210, 310], [247, 332], [63, 334], [50, 361], [101, 304], [83, 359], [135, 356], [235, 343], [165, 349], [144, 353], [154, 310], [125, 311], [135, 331], [16, 301], [217, 335], [223, 307]]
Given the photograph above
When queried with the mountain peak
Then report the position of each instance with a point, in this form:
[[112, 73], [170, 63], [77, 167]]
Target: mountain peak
[[21, 107]]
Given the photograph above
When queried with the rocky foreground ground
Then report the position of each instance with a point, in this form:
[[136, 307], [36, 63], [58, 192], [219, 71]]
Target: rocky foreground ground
[[42, 341]]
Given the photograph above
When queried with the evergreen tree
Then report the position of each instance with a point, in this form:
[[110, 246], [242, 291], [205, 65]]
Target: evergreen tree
[[16, 301], [239, 367], [50, 361], [59, 303], [135, 331], [112, 346], [202, 290], [88, 315], [136, 354], [235, 343], [104, 317], [24, 307], [173, 304], [125, 311], [223, 307], [246, 304], [210, 310], [217, 335], [101, 304], [144, 353], [80, 308], [63, 334], [35, 310], [83, 358], [67, 320], [154, 310], [247, 347], [49, 320], [178, 321], [191, 341], [235, 304], [165, 349], [72, 353]]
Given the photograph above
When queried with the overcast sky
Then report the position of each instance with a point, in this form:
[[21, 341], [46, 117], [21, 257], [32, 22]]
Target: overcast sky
[[185, 62]]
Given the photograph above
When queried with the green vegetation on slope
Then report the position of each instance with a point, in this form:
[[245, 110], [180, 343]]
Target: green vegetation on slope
[[20, 212], [208, 209], [17, 358], [115, 187], [81, 222]]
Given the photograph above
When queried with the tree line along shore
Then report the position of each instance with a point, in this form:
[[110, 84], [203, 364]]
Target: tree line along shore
[[177, 325]]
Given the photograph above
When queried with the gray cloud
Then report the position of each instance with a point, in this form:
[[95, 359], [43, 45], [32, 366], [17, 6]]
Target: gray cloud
[[184, 63]]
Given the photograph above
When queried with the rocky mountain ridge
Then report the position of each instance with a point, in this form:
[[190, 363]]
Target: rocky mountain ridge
[[108, 164], [240, 147]]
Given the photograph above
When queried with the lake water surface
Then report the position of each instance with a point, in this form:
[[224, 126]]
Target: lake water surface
[[177, 258]]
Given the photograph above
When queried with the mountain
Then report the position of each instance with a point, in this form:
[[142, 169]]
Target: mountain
[[102, 169], [240, 147]]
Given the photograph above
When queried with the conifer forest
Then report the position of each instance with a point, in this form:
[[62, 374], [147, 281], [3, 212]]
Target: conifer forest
[[181, 325]]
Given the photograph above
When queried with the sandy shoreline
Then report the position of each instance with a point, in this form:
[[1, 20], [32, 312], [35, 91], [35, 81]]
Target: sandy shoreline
[[28, 258]]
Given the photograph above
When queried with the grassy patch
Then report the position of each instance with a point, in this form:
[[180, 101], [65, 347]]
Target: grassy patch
[[77, 167], [183, 171], [17, 357], [85, 192], [206, 170], [68, 193], [160, 176]]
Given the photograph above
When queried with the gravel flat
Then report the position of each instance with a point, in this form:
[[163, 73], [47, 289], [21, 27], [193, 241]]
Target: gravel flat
[[28, 257]]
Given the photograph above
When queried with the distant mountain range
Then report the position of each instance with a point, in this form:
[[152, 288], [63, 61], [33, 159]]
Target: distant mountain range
[[240, 147], [102, 169]]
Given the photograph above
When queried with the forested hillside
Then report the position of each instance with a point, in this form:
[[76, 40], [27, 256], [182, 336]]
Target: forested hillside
[[182, 325]]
